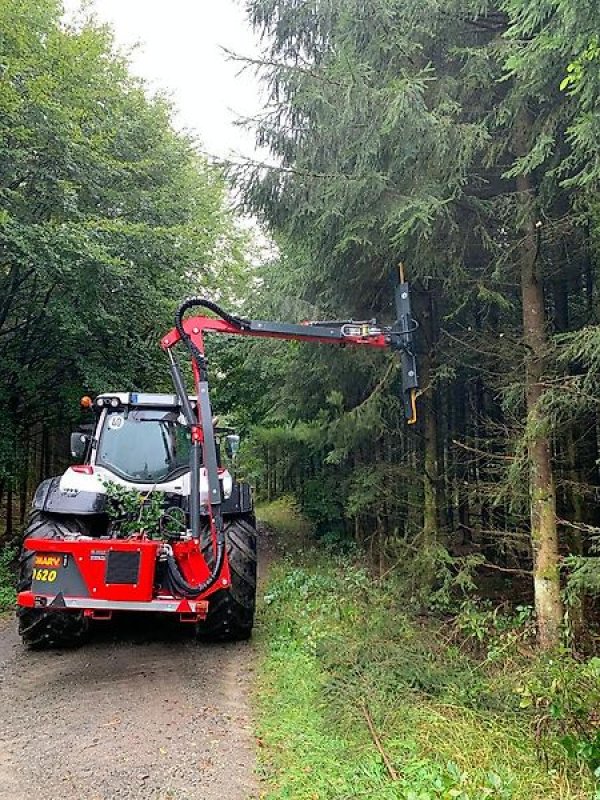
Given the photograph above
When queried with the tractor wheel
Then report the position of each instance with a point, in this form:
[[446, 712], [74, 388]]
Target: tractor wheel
[[231, 611], [40, 629]]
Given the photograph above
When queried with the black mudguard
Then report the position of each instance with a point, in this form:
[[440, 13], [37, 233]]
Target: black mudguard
[[240, 500], [49, 499]]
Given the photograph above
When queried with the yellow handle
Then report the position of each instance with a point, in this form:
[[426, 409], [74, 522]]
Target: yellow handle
[[413, 405]]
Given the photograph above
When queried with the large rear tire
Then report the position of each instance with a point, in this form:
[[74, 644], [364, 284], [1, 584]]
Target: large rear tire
[[231, 611], [40, 629]]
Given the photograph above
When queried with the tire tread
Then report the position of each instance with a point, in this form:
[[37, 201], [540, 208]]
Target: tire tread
[[231, 611], [41, 629]]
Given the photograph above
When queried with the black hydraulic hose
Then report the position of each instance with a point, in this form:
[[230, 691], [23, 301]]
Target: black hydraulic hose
[[194, 302], [178, 585]]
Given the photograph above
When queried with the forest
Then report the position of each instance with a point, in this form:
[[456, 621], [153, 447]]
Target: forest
[[459, 138]]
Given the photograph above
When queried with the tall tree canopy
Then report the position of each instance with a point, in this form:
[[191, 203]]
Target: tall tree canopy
[[108, 217]]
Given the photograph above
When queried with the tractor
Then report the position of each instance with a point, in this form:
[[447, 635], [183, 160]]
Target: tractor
[[197, 562]]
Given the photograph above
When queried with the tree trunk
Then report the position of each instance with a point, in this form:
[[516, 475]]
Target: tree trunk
[[430, 458], [43, 472], [430, 505], [431, 479], [24, 476], [544, 533]]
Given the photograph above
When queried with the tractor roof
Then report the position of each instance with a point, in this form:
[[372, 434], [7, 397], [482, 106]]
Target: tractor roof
[[142, 399]]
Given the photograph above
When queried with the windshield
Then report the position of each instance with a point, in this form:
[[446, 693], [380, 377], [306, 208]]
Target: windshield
[[144, 445]]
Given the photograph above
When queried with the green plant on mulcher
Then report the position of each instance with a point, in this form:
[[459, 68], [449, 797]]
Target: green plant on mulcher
[[132, 512]]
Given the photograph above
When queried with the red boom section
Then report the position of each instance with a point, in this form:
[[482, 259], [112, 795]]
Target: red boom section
[[196, 326]]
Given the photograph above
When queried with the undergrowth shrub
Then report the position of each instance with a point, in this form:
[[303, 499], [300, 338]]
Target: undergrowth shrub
[[495, 632], [322, 506], [442, 694], [8, 557], [563, 696]]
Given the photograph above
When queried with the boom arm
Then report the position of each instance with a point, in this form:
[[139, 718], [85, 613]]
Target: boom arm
[[398, 337]]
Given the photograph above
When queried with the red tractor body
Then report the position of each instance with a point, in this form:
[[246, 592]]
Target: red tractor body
[[99, 576]]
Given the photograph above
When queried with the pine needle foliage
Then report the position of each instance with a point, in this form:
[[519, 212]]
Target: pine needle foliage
[[459, 138]]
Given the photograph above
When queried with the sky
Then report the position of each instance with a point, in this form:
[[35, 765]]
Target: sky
[[177, 48]]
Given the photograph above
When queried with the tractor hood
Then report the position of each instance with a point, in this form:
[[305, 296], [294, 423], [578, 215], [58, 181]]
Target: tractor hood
[[94, 479]]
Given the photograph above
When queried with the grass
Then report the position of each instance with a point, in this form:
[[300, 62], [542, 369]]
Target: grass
[[7, 578], [339, 649], [282, 515]]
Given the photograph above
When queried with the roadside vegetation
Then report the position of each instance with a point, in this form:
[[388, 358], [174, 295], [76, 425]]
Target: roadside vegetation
[[362, 695], [7, 578], [460, 139]]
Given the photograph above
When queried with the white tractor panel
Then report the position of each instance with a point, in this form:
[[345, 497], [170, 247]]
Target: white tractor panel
[[73, 482]]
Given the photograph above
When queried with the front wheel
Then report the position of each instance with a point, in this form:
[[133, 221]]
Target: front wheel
[[231, 611], [38, 628]]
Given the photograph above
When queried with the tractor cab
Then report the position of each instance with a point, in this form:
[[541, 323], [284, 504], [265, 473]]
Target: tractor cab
[[140, 441]]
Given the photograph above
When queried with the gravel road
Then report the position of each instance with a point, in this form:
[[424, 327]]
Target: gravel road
[[140, 712]]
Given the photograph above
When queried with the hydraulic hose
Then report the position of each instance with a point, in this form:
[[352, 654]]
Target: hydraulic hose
[[194, 302], [174, 580], [177, 584]]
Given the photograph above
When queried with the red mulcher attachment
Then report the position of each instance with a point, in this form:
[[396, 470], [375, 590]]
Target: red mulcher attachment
[[99, 576]]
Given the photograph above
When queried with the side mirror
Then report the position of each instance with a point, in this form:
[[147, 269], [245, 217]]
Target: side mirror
[[232, 445], [79, 445]]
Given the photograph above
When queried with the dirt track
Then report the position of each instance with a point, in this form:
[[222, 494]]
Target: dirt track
[[137, 713]]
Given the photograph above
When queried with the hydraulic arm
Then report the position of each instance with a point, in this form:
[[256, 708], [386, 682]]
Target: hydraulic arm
[[398, 337]]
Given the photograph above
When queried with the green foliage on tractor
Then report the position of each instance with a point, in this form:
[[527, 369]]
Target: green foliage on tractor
[[132, 512]]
